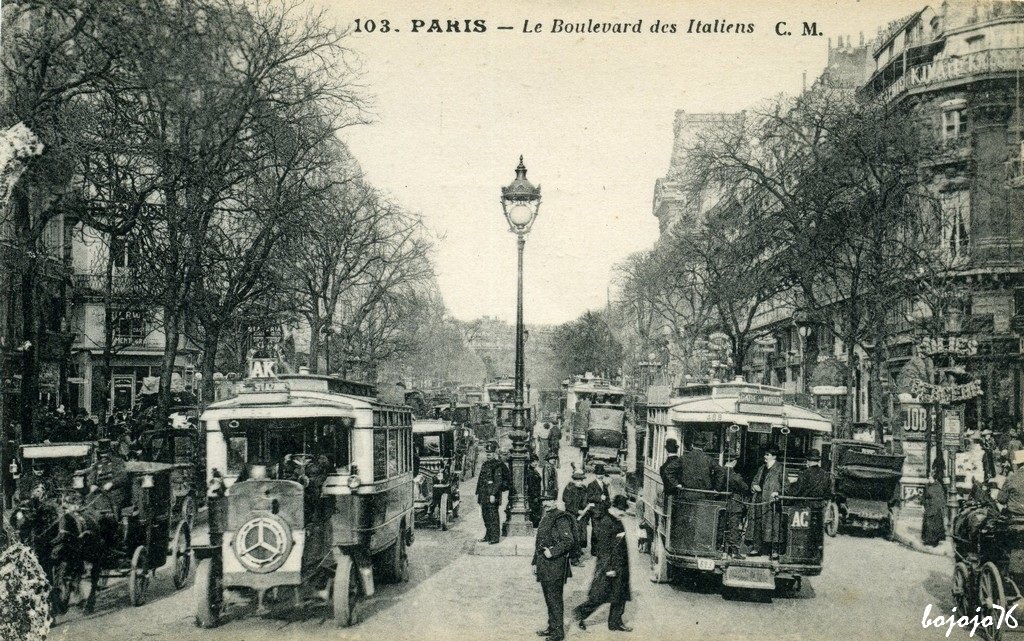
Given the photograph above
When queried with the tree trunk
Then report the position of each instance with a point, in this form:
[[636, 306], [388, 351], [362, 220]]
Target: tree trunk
[[29, 320], [171, 334], [107, 369], [210, 345], [314, 343]]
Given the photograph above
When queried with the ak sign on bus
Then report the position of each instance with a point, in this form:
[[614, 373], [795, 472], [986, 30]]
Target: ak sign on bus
[[262, 368]]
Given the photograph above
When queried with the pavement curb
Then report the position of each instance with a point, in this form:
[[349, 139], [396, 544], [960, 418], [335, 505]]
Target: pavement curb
[[908, 541]]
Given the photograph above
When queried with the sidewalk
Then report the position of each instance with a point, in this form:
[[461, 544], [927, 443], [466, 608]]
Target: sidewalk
[[908, 534]]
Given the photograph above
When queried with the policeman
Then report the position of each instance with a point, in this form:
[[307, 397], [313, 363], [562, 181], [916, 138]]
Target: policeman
[[553, 548], [489, 486], [813, 482]]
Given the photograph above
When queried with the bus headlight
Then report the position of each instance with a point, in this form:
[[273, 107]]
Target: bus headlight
[[353, 482]]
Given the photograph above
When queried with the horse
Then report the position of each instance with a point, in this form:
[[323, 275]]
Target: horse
[[91, 534]]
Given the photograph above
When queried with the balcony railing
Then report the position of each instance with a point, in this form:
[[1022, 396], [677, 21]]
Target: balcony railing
[[956, 68]]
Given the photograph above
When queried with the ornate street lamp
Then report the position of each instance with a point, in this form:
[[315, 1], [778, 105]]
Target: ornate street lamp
[[520, 202]]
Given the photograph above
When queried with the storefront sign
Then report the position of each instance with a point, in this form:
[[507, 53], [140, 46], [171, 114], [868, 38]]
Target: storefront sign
[[945, 394], [949, 345]]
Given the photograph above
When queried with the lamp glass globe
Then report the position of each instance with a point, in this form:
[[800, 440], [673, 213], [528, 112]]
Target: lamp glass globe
[[520, 214]]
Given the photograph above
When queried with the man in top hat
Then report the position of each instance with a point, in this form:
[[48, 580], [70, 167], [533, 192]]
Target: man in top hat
[[611, 572], [813, 482], [489, 486], [767, 485], [671, 470], [554, 546], [574, 497], [598, 493]]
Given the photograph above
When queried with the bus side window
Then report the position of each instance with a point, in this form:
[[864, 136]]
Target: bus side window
[[380, 454]]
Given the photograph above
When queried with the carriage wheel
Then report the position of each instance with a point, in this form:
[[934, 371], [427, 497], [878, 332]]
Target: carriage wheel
[[209, 594], [832, 518], [345, 592], [188, 511], [64, 583], [442, 512], [181, 554], [659, 561], [991, 594], [961, 588], [138, 578]]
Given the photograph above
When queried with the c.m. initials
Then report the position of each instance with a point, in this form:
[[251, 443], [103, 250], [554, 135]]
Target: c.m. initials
[[810, 29]]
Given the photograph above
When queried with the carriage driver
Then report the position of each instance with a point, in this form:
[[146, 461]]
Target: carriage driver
[[110, 476]]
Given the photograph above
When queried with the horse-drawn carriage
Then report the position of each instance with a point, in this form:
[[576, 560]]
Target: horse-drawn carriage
[[436, 487], [126, 526], [43, 473], [866, 481], [89, 508], [989, 566]]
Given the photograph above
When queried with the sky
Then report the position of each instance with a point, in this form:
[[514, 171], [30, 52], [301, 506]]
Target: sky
[[591, 113]]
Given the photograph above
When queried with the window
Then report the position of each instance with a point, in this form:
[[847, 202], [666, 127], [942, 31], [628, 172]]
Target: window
[[273, 441], [129, 327], [1018, 301], [975, 43], [650, 442], [123, 252], [380, 454], [954, 123], [393, 453], [956, 223]]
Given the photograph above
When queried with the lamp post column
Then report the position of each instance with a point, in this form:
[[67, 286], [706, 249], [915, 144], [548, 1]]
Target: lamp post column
[[519, 522]]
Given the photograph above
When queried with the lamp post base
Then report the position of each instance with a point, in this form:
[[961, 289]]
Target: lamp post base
[[519, 523]]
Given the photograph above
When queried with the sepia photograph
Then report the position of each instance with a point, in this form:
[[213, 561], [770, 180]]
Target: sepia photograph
[[438, 321]]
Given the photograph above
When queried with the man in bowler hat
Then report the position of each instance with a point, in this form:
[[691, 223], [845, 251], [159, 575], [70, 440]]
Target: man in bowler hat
[[813, 482]]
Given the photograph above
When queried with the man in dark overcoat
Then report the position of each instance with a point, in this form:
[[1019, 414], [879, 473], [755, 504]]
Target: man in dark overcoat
[[489, 485], [574, 496], [597, 490], [611, 572], [534, 490], [553, 547], [813, 482], [697, 471], [670, 470], [767, 486]]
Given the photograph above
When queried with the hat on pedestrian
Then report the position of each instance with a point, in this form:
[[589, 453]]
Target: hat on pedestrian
[[619, 502], [814, 455], [578, 475], [671, 446], [773, 450], [599, 469], [986, 432]]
